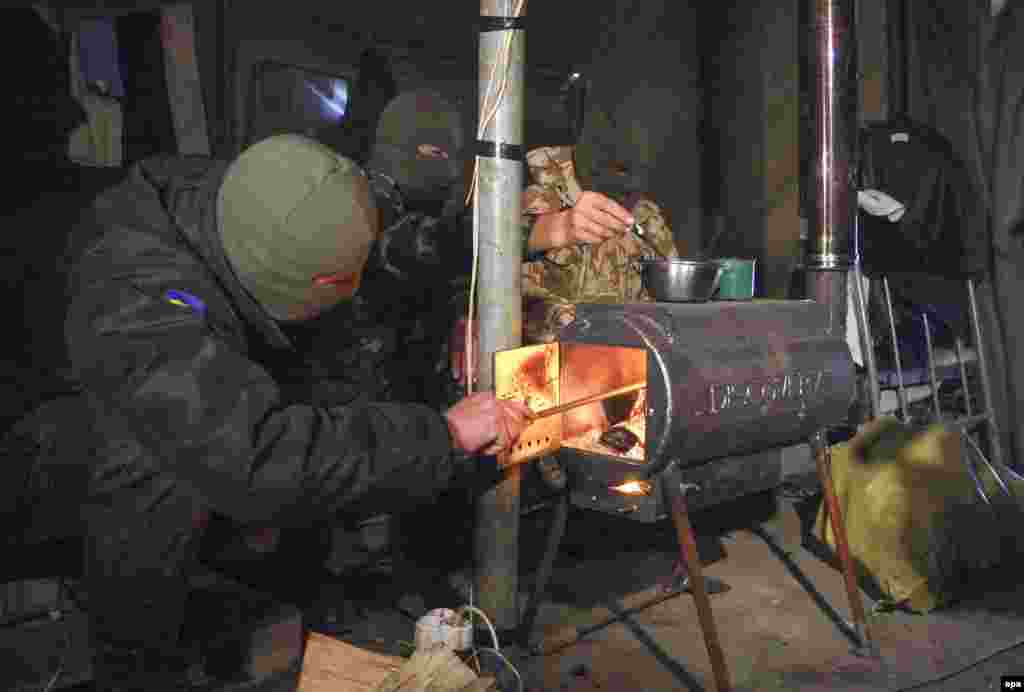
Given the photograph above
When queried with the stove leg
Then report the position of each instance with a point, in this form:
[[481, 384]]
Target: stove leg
[[823, 458], [547, 563], [675, 492], [679, 579]]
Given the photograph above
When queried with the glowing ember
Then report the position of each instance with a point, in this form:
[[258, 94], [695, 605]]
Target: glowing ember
[[633, 488], [590, 441]]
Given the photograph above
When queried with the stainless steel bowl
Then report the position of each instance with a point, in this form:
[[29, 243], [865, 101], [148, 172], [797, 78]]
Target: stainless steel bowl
[[680, 280]]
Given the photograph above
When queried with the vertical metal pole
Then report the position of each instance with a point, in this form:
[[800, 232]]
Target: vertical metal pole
[[900, 389], [931, 369], [832, 243], [867, 343], [499, 302], [963, 376], [995, 440]]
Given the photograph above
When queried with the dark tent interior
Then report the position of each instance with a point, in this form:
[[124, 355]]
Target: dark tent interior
[[721, 90]]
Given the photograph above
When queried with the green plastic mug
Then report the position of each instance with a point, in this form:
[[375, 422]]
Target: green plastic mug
[[737, 282]]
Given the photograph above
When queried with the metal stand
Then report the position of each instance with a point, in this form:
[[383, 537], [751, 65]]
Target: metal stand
[[867, 346], [556, 479], [675, 494], [823, 457], [967, 424]]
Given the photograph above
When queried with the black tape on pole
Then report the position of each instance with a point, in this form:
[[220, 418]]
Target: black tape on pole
[[489, 23], [499, 150]]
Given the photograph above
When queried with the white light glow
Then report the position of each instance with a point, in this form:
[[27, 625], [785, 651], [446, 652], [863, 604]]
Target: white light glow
[[633, 488], [337, 102]]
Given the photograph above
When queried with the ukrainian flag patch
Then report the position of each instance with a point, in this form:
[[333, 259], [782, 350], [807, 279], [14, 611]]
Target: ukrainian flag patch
[[186, 300]]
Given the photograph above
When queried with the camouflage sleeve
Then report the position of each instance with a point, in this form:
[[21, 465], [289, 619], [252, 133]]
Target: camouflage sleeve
[[537, 199], [527, 224], [649, 215]]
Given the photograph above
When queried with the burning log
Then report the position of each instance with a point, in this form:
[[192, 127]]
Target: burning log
[[619, 438]]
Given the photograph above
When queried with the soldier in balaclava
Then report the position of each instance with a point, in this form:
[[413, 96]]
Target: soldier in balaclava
[[188, 276], [417, 172]]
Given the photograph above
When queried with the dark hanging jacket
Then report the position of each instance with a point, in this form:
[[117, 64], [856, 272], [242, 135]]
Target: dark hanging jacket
[[943, 231], [181, 369]]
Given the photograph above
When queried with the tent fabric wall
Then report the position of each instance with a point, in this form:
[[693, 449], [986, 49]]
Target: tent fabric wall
[[148, 123], [618, 43]]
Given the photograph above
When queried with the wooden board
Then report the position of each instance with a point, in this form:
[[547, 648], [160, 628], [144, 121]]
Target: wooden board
[[334, 666]]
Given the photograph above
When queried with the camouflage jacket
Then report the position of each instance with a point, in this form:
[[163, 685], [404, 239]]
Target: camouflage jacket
[[601, 273]]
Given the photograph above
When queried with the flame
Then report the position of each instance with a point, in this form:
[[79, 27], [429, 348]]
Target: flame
[[633, 488]]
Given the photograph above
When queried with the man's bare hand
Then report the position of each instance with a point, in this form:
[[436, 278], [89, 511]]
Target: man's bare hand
[[484, 424], [595, 218]]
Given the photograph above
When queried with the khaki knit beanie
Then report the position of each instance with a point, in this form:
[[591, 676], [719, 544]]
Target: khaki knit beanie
[[290, 209]]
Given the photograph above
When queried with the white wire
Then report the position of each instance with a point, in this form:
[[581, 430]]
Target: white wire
[[519, 678], [496, 649], [490, 627], [59, 614]]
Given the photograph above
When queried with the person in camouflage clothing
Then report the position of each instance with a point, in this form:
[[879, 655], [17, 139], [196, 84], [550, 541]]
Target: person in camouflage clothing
[[577, 211], [599, 266]]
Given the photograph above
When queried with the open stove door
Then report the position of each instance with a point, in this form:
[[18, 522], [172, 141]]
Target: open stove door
[[531, 375]]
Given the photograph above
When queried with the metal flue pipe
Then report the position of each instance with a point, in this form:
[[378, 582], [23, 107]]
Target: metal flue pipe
[[497, 216], [832, 243]]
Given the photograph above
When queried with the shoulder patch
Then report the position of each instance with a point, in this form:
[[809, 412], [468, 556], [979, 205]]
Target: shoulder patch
[[186, 300]]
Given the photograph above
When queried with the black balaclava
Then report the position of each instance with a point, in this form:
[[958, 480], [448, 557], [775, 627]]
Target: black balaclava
[[412, 120]]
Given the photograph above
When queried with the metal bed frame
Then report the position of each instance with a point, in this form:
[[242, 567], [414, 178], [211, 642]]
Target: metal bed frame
[[969, 423]]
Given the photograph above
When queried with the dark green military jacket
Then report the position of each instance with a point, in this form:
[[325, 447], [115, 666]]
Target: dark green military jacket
[[187, 378]]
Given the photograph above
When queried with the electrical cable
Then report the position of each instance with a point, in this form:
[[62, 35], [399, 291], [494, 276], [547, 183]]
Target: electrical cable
[[948, 676], [58, 614], [496, 648]]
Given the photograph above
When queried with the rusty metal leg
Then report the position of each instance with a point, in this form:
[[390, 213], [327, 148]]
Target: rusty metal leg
[[823, 458], [675, 494]]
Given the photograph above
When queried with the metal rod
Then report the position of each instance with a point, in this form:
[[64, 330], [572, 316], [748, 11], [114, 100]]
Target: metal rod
[[969, 465], [901, 389], [498, 207], [991, 467], [867, 344], [593, 398], [986, 383], [568, 635], [675, 493], [558, 522], [971, 422], [963, 376], [931, 368], [823, 458]]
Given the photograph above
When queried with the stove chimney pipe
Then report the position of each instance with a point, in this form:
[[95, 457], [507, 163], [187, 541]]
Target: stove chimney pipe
[[832, 243], [498, 213]]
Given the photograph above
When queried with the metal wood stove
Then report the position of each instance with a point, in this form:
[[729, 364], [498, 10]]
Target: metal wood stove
[[725, 387], [660, 407]]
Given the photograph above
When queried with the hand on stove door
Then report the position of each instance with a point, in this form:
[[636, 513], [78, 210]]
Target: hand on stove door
[[483, 424]]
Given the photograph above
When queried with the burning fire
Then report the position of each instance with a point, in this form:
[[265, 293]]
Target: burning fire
[[636, 423], [633, 488], [589, 369]]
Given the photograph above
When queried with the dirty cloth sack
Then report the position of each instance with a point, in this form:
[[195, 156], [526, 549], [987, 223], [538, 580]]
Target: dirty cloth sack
[[913, 518]]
